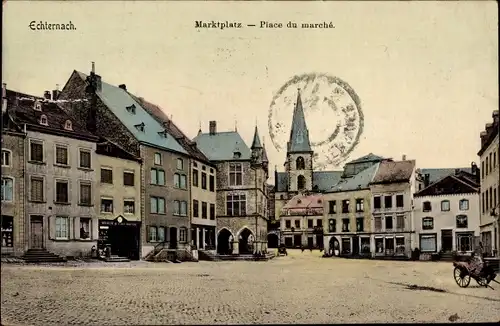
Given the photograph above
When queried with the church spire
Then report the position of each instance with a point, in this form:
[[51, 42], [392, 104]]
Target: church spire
[[256, 139], [299, 134]]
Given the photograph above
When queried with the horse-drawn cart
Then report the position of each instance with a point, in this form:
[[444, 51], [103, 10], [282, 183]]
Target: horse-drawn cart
[[463, 273]]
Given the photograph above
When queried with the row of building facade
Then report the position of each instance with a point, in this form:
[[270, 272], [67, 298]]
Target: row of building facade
[[377, 206], [93, 165]]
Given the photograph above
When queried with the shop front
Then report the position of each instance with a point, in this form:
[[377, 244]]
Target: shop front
[[121, 236]]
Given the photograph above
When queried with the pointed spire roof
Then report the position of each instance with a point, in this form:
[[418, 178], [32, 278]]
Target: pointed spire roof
[[299, 134], [264, 153], [256, 139]]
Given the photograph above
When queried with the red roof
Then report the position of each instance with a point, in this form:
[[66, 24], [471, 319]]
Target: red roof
[[304, 205]]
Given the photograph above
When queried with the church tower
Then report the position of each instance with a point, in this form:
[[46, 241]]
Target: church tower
[[299, 165]]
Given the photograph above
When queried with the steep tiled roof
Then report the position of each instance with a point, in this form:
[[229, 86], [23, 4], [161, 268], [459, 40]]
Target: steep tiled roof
[[367, 158], [117, 100], [390, 172], [323, 180], [299, 134], [156, 112], [311, 204], [222, 145], [21, 109], [359, 181], [450, 184], [436, 174], [256, 139], [109, 148]]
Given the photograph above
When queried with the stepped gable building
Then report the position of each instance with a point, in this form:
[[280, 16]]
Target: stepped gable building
[[111, 112], [60, 176], [446, 214], [489, 155], [241, 189]]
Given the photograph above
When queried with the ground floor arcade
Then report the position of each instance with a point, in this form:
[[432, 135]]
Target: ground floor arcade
[[203, 237], [369, 245]]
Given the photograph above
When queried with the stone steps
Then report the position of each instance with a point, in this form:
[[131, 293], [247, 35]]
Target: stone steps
[[42, 256]]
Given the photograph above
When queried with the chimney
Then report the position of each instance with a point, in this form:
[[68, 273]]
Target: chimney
[[213, 127], [46, 95], [475, 171], [495, 117], [55, 93], [483, 135], [457, 171], [98, 83], [426, 179], [93, 67], [4, 97], [276, 177], [123, 86], [404, 157]]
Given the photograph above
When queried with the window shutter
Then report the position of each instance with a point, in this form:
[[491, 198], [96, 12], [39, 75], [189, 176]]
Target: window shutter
[[147, 233], [51, 221]]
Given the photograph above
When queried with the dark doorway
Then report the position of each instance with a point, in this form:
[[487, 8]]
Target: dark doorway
[[297, 241], [273, 240], [173, 238], [355, 245], [319, 241], [124, 240], [245, 246], [224, 245], [446, 240], [334, 247], [36, 239], [310, 242]]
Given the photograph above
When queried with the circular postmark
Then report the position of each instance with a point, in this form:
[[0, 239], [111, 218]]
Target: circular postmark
[[333, 116]]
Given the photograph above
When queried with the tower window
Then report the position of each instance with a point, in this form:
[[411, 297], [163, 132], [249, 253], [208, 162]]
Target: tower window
[[300, 163], [301, 182]]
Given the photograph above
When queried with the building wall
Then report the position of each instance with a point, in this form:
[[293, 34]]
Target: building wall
[[203, 195], [253, 187], [14, 144], [303, 230], [117, 190], [394, 189], [352, 215], [490, 184], [446, 220], [168, 191], [280, 200], [73, 174]]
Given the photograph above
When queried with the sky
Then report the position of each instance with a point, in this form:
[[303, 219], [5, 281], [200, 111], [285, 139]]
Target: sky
[[426, 72]]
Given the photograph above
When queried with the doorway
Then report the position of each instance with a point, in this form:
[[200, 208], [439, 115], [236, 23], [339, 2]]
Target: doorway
[[124, 240], [245, 242], [36, 227], [224, 242], [273, 240], [334, 247], [355, 245], [173, 238], [447, 240]]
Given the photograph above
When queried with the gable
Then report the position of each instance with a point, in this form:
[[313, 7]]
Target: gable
[[449, 185]]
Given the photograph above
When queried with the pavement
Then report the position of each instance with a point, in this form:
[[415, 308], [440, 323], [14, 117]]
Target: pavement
[[299, 288]]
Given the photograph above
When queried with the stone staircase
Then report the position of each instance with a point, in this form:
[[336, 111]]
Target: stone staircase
[[207, 255], [447, 256], [42, 256]]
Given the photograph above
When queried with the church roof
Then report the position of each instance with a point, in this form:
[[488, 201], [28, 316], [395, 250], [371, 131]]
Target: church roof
[[358, 181], [299, 134], [323, 180]]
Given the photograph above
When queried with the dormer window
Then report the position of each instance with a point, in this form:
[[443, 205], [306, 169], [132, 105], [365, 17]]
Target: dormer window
[[236, 155], [140, 126], [131, 108], [299, 201], [68, 125], [163, 133], [43, 120], [38, 106]]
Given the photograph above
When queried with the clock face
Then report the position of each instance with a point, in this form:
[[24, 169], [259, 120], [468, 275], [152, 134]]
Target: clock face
[[120, 219], [333, 116]]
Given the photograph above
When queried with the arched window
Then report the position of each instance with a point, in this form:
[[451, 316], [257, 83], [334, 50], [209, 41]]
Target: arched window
[[445, 205], [68, 125], [427, 223], [300, 163], [43, 120], [301, 182]]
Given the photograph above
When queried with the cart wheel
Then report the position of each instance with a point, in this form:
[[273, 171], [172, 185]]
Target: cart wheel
[[482, 281], [461, 277]]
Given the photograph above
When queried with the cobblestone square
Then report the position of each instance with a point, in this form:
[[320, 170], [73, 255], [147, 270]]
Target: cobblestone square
[[299, 288]]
